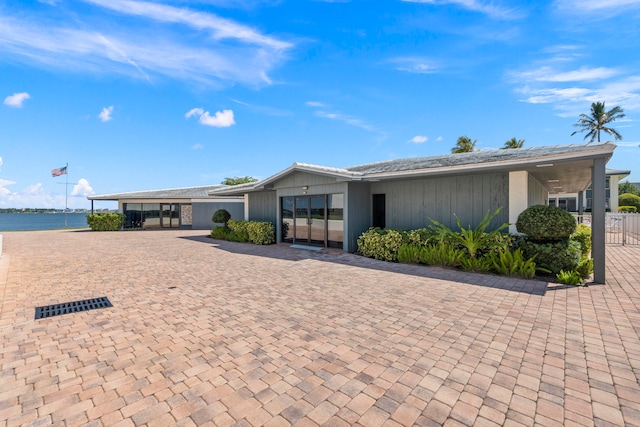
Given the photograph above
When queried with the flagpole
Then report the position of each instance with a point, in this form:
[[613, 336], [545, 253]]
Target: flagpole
[[66, 190]]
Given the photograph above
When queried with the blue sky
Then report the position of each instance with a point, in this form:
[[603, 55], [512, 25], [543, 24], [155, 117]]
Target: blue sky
[[137, 95]]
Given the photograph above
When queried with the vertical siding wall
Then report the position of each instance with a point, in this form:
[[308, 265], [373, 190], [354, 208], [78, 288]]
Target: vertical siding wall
[[411, 204], [263, 206], [538, 195], [357, 215], [203, 211]]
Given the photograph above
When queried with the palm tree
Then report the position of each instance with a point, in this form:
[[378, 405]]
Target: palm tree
[[464, 145], [597, 120], [513, 143]]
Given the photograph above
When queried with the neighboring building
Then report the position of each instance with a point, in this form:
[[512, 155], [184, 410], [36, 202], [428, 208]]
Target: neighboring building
[[570, 201], [189, 207], [331, 207]]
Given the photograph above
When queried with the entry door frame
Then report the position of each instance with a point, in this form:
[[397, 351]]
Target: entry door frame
[[172, 222], [307, 239]]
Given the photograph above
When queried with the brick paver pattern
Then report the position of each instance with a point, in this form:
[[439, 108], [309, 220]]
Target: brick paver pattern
[[204, 332]]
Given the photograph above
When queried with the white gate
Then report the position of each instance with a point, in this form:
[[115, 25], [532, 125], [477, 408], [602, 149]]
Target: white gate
[[620, 228]]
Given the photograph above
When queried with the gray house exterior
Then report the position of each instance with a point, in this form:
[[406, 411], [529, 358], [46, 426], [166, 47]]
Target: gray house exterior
[[189, 207], [330, 207]]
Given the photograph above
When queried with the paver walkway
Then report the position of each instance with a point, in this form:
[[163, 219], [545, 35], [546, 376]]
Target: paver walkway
[[215, 333]]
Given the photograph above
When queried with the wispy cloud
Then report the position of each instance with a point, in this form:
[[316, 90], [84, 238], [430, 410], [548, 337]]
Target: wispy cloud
[[549, 74], [221, 119], [419, 139], [17, 99], [105, 114], [487, 8], [322, 110], [598, 6], [269, 111], [197, 147], [416, 65], [570, 90], [184, 44]]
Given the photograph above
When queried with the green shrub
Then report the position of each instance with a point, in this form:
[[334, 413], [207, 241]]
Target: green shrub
[[221, 216], [220, 233], [409, 253], [239, 226], [553, 256], [510, 263], [585, 268], [420, 236], [570, 277], [479, 265], [261, 232], [106, 221], [628, 199], [382, 244], [583, 236], [542, 223], [630, 209], [442, 254]]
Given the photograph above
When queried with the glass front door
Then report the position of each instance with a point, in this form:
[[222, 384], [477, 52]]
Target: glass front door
[[309, 220], [313, 220], [169, 215]]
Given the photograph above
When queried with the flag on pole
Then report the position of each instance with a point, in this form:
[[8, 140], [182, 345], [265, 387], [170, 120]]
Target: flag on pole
[[59, 171]]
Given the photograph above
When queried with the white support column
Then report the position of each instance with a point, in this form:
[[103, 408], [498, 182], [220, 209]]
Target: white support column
[[518, 197], [246, 206]]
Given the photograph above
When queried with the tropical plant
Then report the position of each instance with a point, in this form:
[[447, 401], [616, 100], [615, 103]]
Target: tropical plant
[[441, 254], [409, 253], [583, 236], [570, 277], [472, 239], [596, 122], [236, 180], [478, 265], [464, 145], [510, 263], [585, 268], [513, 143]]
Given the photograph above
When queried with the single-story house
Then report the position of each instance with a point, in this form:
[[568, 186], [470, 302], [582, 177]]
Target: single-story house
[[189, 207], [331, 206]]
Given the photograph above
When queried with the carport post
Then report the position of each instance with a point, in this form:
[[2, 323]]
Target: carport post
[[598, 220]]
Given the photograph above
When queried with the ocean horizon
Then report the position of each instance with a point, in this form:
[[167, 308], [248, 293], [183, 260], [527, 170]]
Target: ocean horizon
[[41, 221]]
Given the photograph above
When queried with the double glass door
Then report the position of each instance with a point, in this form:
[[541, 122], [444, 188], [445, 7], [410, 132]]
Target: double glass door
[[170, 215], [304, 220]]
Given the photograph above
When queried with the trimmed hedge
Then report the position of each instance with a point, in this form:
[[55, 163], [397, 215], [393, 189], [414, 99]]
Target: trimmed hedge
[[553, 256], [628, 199], [583, 236], [257, 232], [221, 216], [106, 221], [542, 223], [629, 209]]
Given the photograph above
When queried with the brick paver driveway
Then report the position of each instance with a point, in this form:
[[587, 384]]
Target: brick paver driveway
[[205, 332]]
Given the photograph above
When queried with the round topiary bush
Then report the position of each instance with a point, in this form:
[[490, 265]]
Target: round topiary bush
[[221, 216], [542, 223]]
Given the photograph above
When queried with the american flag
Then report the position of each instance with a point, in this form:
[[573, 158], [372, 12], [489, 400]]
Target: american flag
[[59, 171]]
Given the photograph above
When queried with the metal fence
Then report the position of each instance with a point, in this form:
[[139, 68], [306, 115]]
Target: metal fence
[[620, 228]]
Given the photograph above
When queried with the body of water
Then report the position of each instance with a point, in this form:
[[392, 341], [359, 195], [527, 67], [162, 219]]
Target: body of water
[[41, 221]]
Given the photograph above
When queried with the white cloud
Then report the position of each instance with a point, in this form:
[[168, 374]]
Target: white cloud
[[220, 119], [598, 6], [197, 147], [17, 99], [314, 104], [419, 139], [105, 114], [36, 196], [438, 139], [548, 74], [488, 8], [82, 189], [0, 162], [179, 43], [415, 65], [345, 118]]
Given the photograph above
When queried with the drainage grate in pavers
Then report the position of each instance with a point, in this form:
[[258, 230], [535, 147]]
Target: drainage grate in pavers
[[72, 307]]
